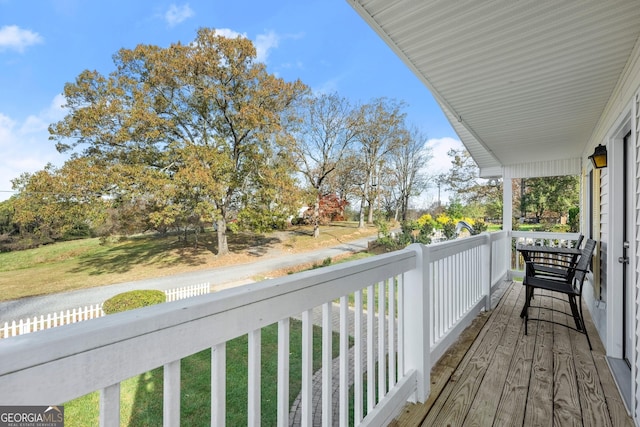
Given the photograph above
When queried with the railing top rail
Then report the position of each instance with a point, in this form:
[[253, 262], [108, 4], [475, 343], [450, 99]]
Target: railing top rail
[[545, 235], [447, 248]]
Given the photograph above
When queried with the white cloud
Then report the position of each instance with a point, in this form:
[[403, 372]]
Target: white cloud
[[178, 14], [6, 131], [40, 122], [25, 145], [16, 38], [441, 162], [230, 34], [264, 43]]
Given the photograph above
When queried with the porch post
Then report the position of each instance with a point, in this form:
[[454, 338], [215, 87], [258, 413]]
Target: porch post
[[507, 201], [417, 337], [507, 211]]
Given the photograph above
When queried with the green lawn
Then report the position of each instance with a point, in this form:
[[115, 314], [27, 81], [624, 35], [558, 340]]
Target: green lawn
[[79, 264]]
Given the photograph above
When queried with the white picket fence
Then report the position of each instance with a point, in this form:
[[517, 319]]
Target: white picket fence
[[52, 320], [187, 292]]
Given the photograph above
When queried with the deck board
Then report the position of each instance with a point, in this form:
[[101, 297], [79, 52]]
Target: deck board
[[511, 407], [506, 378]]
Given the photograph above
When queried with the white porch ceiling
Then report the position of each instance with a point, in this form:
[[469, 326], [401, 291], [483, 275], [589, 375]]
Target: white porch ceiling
[[520, 82]]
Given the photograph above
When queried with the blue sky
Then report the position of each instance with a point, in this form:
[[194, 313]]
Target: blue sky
[[47, 43]]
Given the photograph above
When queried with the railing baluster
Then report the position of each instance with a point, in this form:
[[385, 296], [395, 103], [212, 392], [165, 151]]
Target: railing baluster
[[452, 277], [401, 313], [218, 385], [283, 372], [253, 389], [434, 292], [327, 395], [307, 368], [358, 394], [371, 379], [382, 369], [171, 396], [392, 330], [110, 406], [344, 361], [442, 284]]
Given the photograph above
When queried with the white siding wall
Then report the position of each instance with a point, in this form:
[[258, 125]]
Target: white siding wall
[[595, 293], [635, 131]]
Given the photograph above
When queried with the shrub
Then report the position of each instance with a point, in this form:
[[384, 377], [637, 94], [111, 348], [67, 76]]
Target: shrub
[[442, 220], [383, 227], [325, 263], [479, 226], [132, 300], [449, 229], [424, 236]]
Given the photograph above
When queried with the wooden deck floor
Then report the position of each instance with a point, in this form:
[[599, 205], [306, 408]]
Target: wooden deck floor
[[497, 376]]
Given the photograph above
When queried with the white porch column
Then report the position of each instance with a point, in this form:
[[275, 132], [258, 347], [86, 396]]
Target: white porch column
[[507, 207], [507, 201]]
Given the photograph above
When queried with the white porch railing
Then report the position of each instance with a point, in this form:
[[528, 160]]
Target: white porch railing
[[460, 275], [408, 306]]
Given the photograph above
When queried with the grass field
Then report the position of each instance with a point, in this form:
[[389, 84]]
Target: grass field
[[87, 263]]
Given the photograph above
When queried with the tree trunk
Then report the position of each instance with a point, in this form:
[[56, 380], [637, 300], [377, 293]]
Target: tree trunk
[[361, 218], [370, 217], [316, 217], [405, 206], [223, 245]]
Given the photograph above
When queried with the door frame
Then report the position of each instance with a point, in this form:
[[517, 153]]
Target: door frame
[[614, 236]]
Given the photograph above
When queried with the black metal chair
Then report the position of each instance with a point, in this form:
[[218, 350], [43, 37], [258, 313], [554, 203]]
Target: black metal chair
[[569, 281]]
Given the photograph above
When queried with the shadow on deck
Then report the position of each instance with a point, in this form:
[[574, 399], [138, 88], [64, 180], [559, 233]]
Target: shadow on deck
[[495, 375]]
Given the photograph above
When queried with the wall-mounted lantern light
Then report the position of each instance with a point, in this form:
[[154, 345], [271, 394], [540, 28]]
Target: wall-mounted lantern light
[[599, 157]]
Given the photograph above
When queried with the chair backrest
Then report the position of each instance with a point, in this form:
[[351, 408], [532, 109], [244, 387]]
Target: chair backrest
[[583, 262], [579, 241]]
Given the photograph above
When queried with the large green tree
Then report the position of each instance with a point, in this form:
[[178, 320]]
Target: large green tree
[[198, 123], [7, 221], [552, 194], [52, 202], [326, 131], [480, 196], [405, 163], [380, 122]]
